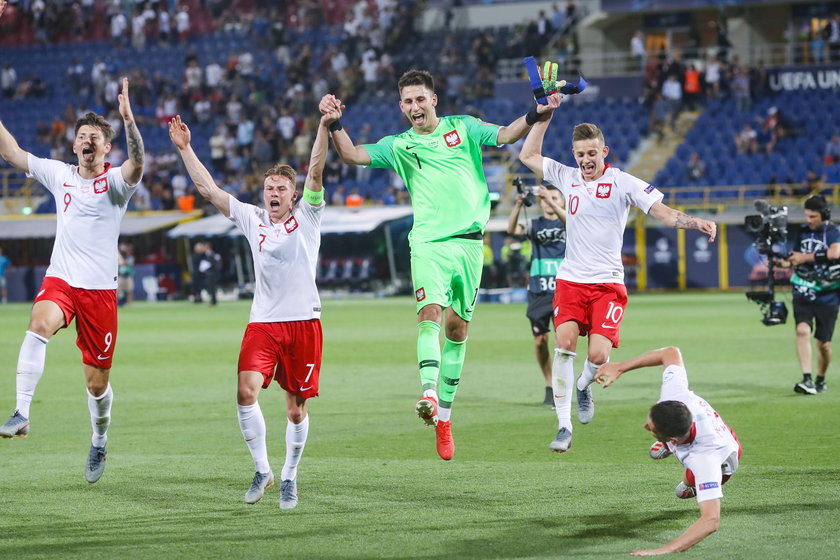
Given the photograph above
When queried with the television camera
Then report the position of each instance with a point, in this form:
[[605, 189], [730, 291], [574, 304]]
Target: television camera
[[768, 227], [529, 192]]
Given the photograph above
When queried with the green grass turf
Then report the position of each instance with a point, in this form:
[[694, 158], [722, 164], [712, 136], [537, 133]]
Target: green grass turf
[[370, 482]]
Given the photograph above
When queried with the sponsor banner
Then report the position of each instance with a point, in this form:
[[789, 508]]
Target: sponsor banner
[[742, 256], [701, 260], [662, 258], [803, 78]]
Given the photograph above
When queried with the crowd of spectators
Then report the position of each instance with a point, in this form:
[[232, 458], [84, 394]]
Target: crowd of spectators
[[254, 123]]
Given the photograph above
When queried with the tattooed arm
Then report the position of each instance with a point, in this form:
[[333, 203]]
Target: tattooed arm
[[132, 169], [679, 220]]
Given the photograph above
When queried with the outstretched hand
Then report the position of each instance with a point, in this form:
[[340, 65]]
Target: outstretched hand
[[179, 133], [708, 227], [125, 105], [607, 374], [2, 7]]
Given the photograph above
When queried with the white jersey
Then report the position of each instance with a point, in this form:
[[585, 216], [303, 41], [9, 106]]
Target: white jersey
[[89, 213], [596, 215], [712, 450], [285, 256]]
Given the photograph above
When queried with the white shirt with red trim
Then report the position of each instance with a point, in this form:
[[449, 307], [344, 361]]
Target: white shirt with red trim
[[285, 256], [712, 450], [89, 213], [596, 215]]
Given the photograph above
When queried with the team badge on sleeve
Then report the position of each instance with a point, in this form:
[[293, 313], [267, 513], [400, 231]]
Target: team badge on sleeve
[[649, 189], [452, 139], [420, 294]]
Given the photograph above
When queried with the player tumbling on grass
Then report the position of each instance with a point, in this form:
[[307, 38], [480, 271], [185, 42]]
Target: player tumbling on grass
[[439, 158], [590, 296], [686, 426], [283, 339], [81, 281]]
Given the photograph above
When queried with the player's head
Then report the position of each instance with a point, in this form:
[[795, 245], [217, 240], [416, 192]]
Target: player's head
[[555, 198], [418, 100], [590, 150], [93, 140], [279, 192], [817, 211], [669, 420]]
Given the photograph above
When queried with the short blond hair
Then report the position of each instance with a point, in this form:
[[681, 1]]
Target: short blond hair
[[588, 131], [283, 170]]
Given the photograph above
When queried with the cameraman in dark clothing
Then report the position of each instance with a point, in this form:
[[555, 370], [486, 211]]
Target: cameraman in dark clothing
[[816, 290], [547, 233]]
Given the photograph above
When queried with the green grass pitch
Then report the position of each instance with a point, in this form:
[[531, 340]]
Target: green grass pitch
[[370, 482]]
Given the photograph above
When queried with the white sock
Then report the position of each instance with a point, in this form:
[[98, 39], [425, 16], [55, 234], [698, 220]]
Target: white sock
[[252, 424], [431, 393], [444, 414], [562, 377], [586, 378], [30, 368], [100, 416], [295, 441]]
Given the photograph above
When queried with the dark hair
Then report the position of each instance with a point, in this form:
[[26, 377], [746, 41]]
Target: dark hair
[[816, 203], [588, 131], [97, 121], [671, 419], [416, 78], [551, 187]]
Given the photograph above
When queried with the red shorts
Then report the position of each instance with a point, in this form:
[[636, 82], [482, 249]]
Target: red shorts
[[96, 318], [689, 475], [289, 353], [596, 308]]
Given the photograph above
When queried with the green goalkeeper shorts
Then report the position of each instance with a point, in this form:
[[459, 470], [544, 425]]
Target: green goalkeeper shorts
[[447, 273]]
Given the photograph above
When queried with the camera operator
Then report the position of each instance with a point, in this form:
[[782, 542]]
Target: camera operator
[[548, 241], [816, 290]]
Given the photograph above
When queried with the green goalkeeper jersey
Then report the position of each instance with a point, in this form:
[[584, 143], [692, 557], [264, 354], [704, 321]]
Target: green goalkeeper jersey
[[443, 174]]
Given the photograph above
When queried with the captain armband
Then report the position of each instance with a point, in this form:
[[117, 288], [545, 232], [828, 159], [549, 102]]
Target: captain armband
[[313, 197]]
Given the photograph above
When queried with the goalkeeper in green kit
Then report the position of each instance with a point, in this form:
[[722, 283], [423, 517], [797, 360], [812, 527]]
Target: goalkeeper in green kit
[[439, 159]]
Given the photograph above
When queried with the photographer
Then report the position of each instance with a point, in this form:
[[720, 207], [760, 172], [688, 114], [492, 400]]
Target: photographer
[[816, 291], [548, 241]]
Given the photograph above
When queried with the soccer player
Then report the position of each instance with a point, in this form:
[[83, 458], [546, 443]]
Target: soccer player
[[439, 158], [548, 241], [686, 426], [816, 291], [283, 339], [589, 296], [81, 281]]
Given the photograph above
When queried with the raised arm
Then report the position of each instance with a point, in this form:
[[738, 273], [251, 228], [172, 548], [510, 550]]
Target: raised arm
[[132, 169], [513, 219], [611, 371], [676, 219], [315, 176], [559, 210], [347, 151], [531, 153], [11, 152], [699, 530], [520, 127], [180, 135], [2, 7]]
